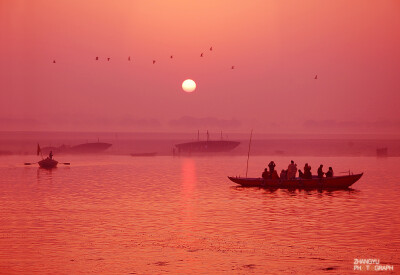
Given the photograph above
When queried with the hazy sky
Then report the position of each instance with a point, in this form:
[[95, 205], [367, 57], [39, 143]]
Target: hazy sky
[[277, 48]]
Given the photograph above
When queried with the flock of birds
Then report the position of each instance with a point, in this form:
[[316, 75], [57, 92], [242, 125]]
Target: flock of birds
[[171, 57], [154, 61]]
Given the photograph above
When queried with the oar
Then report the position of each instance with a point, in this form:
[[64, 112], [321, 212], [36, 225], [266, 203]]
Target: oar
[[30, 163]]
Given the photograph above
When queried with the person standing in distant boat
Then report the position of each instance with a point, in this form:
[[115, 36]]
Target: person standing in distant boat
[[329, 174], [292, 170], [320, 172], [51, 155], [307, 171]]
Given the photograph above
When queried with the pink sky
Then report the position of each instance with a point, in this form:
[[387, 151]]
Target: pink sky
[[277, 47]]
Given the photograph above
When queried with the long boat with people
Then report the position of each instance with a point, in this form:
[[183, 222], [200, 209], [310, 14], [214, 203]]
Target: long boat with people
[[288, 179], [336, 182]]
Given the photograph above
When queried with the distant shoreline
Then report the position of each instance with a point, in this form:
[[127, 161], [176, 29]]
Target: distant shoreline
[[213, 134], [163, 143]]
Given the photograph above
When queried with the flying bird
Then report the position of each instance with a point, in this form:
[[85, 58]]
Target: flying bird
[[233, 67], [211, 49], [316, 76], [154, 61], [171, 56], [54, 61], [129, 58], [97, 58], [201, 55], [108, 59]]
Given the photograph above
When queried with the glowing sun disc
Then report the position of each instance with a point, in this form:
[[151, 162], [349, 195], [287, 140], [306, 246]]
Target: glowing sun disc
[[188, 85]]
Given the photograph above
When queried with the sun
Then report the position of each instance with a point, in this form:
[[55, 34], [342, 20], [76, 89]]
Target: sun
[[188, 85]]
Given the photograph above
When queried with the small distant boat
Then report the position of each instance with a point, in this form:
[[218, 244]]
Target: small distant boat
[[206, 146], [48, 163], [85, 148], [338, 182], [144, 154], [382, 152], [4, 153]]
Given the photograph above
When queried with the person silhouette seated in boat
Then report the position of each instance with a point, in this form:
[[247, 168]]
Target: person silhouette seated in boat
[[51, 155], [329, 174], [272, 172], [274, 175], [284, 174], [301, 174], [320, 172], [271, 166], [265, 175], [307, 171]]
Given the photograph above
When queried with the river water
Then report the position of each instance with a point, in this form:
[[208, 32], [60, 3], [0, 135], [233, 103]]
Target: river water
[[155, 215]]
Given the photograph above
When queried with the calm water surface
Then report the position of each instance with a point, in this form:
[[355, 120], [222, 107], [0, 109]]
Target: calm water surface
[[126, 215]]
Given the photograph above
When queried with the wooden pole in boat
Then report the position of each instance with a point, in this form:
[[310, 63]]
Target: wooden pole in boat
[[248, 153], [39, 150]]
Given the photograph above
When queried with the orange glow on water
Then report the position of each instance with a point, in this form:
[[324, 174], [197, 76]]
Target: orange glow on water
[[188, 186], [188, 175], [182, 215]]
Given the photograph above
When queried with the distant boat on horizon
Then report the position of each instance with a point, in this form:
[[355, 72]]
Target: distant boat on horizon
[[205, 146], [84, 148], [152, 154], [382, 152]]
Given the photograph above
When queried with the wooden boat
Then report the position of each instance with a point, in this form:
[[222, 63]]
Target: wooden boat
[[207, 146], [48, 163], [85, 148], [382, 152], [338, 182]]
